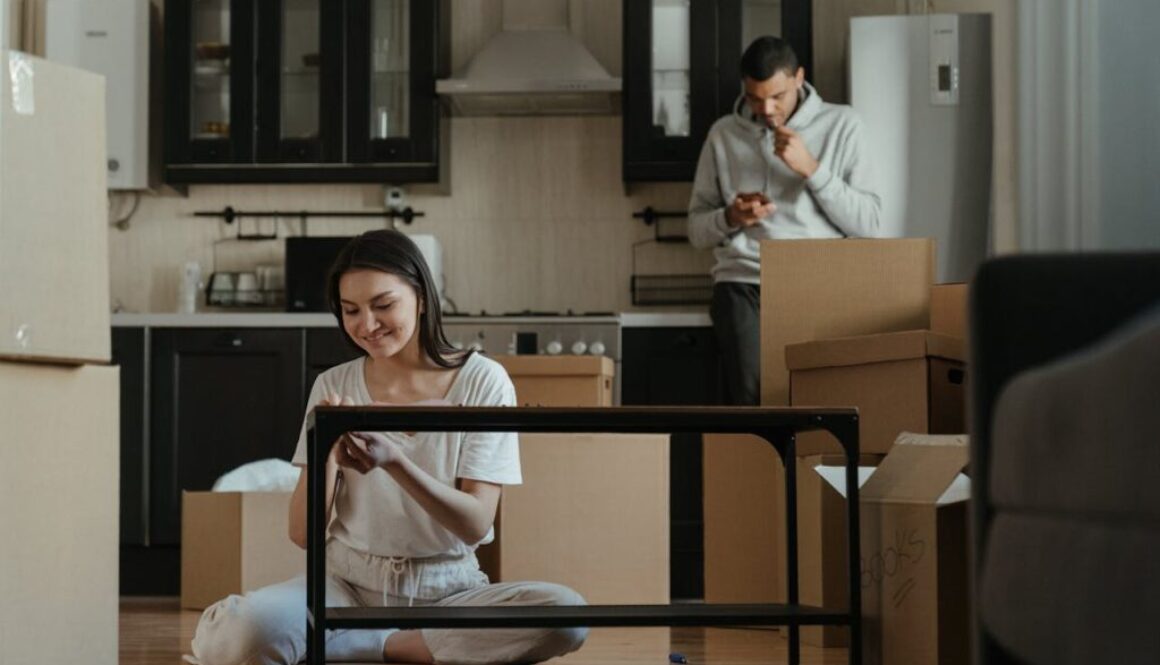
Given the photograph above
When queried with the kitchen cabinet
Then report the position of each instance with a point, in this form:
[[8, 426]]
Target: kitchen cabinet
[[681, 73], [219, 398], [302, 91], [673, 366], [325, 348]]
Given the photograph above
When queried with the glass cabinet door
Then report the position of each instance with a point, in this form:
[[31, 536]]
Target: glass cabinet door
[[299, 81], [669, 100], [391, 105], [671, 110], [211, 91]]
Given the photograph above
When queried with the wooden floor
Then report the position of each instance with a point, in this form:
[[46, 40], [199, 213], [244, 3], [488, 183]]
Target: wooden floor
[[155, 631]]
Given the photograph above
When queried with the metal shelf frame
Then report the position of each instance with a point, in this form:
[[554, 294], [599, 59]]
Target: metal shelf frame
[[777, 425]]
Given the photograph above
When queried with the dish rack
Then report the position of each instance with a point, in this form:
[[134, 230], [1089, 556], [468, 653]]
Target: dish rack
[[672, 289]]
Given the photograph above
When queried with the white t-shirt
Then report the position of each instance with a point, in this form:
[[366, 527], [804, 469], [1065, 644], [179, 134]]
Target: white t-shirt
[[372, 513]]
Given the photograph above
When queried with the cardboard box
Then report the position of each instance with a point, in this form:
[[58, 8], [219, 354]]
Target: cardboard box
[[593, 512], [948, 309], [234, 542], [810, 289], [913, 381], [744, 520], [560, 380], [59, 470], [54, 257], [820, 289], [822, 576], [915, 600]]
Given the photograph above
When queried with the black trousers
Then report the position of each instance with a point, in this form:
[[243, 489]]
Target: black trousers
[[737, 325]]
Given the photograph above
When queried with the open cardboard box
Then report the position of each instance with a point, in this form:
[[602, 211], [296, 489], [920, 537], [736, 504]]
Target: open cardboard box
[[914, 550], [915, 596]]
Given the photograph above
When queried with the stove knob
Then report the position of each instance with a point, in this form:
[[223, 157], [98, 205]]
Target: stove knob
[[597, 348], [579, 348], [554, 348]]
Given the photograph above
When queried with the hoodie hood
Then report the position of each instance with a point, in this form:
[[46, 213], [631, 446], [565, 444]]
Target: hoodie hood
[[809, 104]]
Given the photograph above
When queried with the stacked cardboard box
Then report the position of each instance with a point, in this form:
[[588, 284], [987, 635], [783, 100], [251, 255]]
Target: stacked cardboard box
[[59, 462], [810, 290]]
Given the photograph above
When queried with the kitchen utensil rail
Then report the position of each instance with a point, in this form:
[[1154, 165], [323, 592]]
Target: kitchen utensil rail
[[229, 214], [777, 425]]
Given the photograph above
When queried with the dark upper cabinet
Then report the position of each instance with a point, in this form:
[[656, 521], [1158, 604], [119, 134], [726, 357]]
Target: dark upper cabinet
[[302, 90], [220, 398], [681, 73]]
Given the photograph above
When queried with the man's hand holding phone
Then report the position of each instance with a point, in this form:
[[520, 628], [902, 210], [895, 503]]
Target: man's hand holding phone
[[748, 209]]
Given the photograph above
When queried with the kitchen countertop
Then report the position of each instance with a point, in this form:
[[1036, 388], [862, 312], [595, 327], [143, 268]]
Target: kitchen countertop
[[270, 319]]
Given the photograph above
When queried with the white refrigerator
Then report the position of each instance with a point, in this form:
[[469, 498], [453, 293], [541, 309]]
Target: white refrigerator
[[922, 86]]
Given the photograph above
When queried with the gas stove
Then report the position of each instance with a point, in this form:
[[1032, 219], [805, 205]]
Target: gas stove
[[536, 332]]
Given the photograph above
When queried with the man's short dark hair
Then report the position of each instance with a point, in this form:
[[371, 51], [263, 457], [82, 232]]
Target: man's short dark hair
[[767, 56]]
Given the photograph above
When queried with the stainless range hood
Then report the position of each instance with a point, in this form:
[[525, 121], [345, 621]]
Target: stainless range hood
[[532, 71]]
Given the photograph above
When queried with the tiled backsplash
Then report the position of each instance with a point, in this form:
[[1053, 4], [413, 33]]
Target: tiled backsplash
[[537, 218]]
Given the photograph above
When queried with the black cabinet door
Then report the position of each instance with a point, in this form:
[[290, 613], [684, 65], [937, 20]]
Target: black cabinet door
[[393, 49], [669, 86], [221, 398], [682, 72], [129, 349], [209, 101], [299, 81], [673, 367]]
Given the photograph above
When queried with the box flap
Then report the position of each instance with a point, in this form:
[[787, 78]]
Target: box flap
[[920, 468], [836, 476], [863, 349]]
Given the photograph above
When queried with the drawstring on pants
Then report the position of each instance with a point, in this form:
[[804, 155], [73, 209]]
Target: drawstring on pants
[[397, 566]]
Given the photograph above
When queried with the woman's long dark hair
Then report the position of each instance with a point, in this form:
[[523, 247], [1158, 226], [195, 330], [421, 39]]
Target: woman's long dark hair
[[393, 252]]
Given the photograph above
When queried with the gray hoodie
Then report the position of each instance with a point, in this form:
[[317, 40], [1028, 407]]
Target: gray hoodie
[[836, 201]]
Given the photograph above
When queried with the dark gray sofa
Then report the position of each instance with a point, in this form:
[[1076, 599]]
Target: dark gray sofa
[[1065, 459]]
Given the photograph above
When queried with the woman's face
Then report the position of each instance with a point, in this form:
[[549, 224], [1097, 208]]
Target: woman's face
[[380, 311]]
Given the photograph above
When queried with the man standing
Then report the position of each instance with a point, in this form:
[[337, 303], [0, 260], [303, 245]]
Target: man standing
[[784, 165]]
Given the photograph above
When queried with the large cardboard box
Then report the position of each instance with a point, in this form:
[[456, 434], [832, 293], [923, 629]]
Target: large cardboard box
[[744, 520], [948, 309], [915, 600], [823, 580], [810, 289], [234, 542], [54, 258], [592, 514], [912, 381], [59, 471], [593, 510]]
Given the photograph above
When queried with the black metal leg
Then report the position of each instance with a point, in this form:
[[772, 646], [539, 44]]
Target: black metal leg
[[315, 555], [849, 440], [791, 544]]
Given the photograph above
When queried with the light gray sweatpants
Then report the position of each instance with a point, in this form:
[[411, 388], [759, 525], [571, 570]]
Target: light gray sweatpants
[[268, 626]]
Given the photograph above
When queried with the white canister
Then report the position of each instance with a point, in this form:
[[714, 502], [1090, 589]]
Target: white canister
[[189, 287]]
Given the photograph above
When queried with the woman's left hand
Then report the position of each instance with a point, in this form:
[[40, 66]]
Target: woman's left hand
[[364, 451]]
